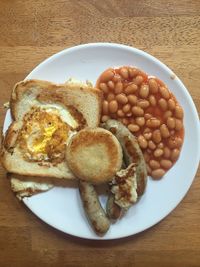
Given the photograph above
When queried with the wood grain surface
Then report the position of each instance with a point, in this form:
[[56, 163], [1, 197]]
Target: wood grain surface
[[31, 31]]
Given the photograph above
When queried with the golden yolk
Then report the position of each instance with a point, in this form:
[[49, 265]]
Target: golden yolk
[[43, 136], [39, 145]]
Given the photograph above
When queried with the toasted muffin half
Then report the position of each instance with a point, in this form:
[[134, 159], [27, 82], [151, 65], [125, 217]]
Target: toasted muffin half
[[94, 155]]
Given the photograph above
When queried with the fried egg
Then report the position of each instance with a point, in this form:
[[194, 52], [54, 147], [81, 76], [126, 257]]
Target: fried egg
[[27, 188], [46, 131], [124, 187]]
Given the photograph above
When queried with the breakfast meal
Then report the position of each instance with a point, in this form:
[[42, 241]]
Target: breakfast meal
[[149, 110], [128, 125]]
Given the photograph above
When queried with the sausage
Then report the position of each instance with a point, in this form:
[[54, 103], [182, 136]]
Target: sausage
[[114, 211], [131, 153], [92, 207]]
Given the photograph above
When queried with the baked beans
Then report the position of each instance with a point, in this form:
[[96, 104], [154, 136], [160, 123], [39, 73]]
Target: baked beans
[[154, 164], [130, 89], [167, 114], [132, 99], [107, 75], [140, 121], [171, 104], [152, 100], [148, 136], [142, 141], [149, 110], [113, 106], [111, 85], [143, 103], [133, 127], [178, 112], [153, 122], [171, 123], [144, 91], [164, 92], [153, 86], [158, 173], [104, 87], [110, 97], [116, 78], [166, 163], [118, 88], [121, 98], [162, 103], [105, 107], [137, 111], [124, 72], [151, 145], [156, 136], [164, 131], [166, 152], [120, 113]]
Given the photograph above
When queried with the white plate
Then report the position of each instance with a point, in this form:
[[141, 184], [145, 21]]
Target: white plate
[[61, 207]]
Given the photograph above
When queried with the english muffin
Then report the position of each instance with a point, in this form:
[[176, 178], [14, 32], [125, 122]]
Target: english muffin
[[94, 155]]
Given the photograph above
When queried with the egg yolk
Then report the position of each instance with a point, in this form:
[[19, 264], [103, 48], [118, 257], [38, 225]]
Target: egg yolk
[[43, 136], [39, 145]]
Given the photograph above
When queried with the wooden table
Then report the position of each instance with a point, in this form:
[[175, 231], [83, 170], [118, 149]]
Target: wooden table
[[31, 31]]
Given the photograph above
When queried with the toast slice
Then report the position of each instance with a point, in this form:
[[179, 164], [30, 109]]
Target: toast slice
[[45, 116]]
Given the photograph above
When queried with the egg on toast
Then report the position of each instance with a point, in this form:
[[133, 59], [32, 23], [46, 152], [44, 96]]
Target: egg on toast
[[45, 116]]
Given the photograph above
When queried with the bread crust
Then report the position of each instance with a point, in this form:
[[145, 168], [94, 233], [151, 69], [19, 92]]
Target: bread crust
[[49, 92]]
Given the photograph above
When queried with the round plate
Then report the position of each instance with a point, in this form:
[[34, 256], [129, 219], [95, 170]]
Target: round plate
[[61, 207]]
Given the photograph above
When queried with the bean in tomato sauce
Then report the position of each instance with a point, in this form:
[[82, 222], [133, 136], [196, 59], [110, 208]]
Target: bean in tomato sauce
[[149, 110]]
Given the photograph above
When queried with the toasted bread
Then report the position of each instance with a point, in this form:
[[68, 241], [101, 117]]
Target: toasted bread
[[94, 155], [45, 115]]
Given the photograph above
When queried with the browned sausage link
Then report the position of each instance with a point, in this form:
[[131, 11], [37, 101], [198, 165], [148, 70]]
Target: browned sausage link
[[114, 212], [94, 212]]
